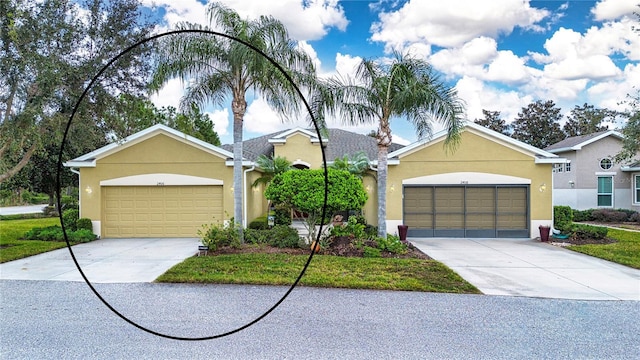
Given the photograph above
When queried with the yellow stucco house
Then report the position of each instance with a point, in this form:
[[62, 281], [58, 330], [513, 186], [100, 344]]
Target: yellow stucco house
[[160, 182]]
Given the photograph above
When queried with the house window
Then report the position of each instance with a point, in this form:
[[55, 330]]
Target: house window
[[605, 191], [560, 167], [606, 164], [637, 189], [567, 167]]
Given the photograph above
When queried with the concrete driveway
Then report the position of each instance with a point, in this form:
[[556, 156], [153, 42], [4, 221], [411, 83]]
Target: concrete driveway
[[104, 261], [524, 267]]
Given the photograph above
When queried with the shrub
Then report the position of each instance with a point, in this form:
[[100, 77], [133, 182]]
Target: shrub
[[391, 244], [259, 223], [50, 211], [81, 235], [562, 218], [69, 202], [216, 235], [257, 236], [84, 224], [70, 219], [583, 231], [282, 215], [582, 215], [371, 252], [284, 236], [609, 215], [635, 217], [351, 228]]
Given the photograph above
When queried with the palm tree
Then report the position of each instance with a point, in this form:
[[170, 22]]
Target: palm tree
[[218, 68], [380, 91], [356, 164], [270, 168]]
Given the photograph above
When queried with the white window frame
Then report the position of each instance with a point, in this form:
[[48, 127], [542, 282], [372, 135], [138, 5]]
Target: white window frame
[[636, 189], [567, 167], [598, 193]]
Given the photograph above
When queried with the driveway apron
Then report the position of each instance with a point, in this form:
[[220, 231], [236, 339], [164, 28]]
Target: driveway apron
[[524, 267], [105, 261]]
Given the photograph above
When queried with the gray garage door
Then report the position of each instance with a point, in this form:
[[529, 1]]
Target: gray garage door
[[467, 211]]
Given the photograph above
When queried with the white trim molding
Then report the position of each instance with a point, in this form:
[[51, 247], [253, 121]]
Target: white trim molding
[[160, 179], [466, 178]]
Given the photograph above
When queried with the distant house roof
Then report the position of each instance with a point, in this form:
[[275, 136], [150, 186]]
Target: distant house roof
[[577, 142], [339, 143]]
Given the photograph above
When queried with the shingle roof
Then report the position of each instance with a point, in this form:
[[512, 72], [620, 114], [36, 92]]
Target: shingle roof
[[575, 142], [340, 142]]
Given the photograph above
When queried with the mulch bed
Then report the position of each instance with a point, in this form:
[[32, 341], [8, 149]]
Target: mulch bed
[[339, 246]]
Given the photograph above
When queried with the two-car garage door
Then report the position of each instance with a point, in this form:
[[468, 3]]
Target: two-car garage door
[[159, 211], [467, 210]]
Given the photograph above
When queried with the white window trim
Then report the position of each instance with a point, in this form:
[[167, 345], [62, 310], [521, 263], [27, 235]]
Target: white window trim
[[636, 199], [613, 191]]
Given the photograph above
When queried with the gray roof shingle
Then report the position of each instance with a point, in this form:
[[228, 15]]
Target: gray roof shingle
[[341, 142], [573, 141]]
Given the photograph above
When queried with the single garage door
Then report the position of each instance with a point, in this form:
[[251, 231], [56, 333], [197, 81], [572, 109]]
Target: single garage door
[[467, 211], [159, 211]]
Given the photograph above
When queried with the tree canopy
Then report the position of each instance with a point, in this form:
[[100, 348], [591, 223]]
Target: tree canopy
[[49, 50], [586, 119], [538, 124], [493, 121], [304, 191]]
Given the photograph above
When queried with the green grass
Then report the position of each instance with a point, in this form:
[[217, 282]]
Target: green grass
[[11, 248], [626, 251], [324, 271]]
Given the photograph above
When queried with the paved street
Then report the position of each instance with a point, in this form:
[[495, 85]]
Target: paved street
[[28, 209], [64, 320]]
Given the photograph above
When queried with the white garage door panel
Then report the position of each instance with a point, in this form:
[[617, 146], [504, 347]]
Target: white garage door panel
[[159, 211]]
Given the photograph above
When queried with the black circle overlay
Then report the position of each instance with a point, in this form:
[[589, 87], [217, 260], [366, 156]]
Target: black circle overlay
[[58, 188]]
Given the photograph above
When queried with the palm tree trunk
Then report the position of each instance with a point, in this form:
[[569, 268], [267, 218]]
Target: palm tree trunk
[[239, 107], [384, 140]]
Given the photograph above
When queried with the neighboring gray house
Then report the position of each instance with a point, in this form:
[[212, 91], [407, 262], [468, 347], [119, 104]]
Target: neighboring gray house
[[591, 178]]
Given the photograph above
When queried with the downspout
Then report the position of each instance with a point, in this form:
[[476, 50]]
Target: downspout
[[79, 190], [244, 198]]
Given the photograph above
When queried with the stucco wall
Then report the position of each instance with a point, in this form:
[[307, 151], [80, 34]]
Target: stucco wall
[[475, 154], [300, 148], [160, 154]]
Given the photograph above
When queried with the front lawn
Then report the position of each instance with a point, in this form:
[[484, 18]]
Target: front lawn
[[625, 251], [324, 271], [11, 248]]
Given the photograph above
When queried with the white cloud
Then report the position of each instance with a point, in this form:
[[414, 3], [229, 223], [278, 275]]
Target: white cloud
[[452, 23], [309, 50], [613, 9], [262, 119], [609, 94], [308, 20], [220, 120], [178, 11], [478, 96], [170, 94], [346, 64], [593, 67]]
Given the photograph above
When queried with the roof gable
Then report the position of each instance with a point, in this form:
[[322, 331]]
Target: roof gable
[[540, 155], [89, 159], [576, 143]]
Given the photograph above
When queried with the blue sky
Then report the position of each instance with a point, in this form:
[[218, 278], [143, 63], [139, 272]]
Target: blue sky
[[499, 54]]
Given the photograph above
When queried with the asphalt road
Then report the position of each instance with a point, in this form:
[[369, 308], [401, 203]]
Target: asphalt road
[[65, 320]]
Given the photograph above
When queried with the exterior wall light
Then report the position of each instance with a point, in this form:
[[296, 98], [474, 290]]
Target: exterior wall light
[[542, 187]]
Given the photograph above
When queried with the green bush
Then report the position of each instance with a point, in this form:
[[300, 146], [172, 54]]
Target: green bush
[[283, 236], [609, 215], [50, 211], [583, 231], [582, 215], [282, 215], [81, 235], [562, 218], [257, 236], [371, 252], [217, 235], [391, 244], [54, 233], [351, 228], [84, 224], [70, 219], [259, 223]]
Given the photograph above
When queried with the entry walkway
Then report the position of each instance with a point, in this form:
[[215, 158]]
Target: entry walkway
[[524, 267], [105, 261]]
